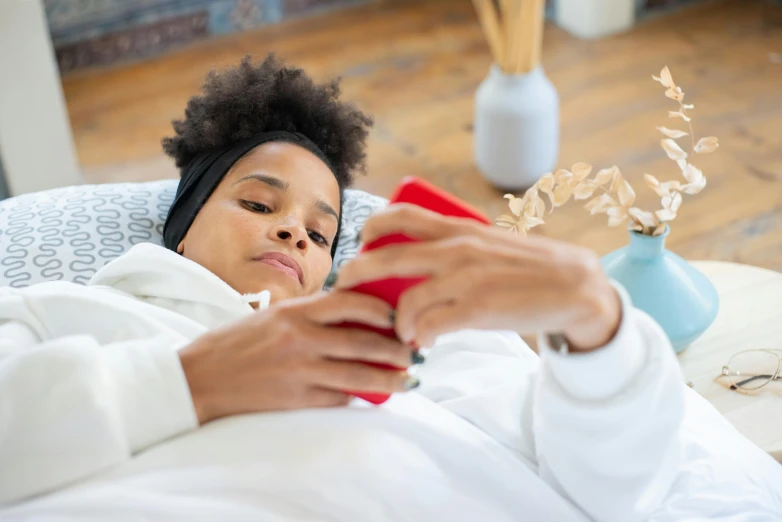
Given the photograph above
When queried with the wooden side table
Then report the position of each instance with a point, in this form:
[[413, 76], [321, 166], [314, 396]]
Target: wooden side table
[[750, 317]]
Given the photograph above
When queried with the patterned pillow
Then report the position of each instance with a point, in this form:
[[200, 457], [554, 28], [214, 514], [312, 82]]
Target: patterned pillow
[[69, 233]]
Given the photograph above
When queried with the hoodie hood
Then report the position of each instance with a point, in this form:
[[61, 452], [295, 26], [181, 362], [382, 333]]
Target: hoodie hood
[[164, 278]]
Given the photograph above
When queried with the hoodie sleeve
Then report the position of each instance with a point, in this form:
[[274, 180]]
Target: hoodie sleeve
[[71, 407], [607, 423], [601, 428]]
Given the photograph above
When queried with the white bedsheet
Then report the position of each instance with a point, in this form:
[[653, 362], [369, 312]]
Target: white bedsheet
[[387, 464], [354, 465], [97, 421]]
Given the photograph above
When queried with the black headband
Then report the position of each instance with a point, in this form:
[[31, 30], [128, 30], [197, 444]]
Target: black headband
[[202, 175]]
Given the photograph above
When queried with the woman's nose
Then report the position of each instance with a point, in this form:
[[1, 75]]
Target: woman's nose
[[291, 233]]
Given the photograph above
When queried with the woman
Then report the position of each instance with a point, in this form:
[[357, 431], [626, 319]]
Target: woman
[[102, 387]]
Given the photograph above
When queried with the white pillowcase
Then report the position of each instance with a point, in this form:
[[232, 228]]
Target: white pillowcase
[[67, 234]]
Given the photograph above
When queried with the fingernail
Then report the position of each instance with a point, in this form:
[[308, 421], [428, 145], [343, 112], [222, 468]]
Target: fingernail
[[412, 382], [331, 279], [417, 358], [414, 345], [392, 317]]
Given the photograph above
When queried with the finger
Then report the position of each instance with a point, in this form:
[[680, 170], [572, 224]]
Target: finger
[[442, 319], [411, 260], [416, 222], [336, 307], [358, 345], [354, 376], [325, 398], [437, 291]]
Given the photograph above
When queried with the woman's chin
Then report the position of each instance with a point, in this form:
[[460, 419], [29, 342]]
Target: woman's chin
[[281, 286]]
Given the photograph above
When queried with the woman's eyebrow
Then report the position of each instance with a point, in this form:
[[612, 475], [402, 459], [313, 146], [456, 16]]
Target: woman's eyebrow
[[265, 178], [327, 209]]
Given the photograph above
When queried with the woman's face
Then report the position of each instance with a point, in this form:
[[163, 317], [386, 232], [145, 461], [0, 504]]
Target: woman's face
[[269, 224]]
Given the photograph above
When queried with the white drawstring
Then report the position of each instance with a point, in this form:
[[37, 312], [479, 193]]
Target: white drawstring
[[262, 298]]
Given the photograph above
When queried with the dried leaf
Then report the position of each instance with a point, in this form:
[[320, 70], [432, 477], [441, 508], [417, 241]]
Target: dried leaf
[[678, 114], [529, 207], [666, 188], [706, 145], [672, 133], [694, 188], [516, 206], [692, 174], [626, 194], [593, 203], [603, 176], [636, 227], [509, 196], [672, 149], [682, 163], [509, 220], [615, 221], [540, 207], [546, 183], [688, 106], [651, 181], [584, 190], [677, 202], [675, 94], [617, 181], [562, 194], [563, 177], [665, 77], [505, 224], [645, 218], [600, 204], [550, 201], [617, 211], [665, 214], [581, 171], [616, 215], [532, 222], [660, 230]]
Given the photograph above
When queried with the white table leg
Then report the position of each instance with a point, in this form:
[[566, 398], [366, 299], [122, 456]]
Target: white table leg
[[36, 145]]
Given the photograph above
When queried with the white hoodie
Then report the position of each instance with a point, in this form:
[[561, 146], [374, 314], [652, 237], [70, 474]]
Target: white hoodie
[[96, 421]]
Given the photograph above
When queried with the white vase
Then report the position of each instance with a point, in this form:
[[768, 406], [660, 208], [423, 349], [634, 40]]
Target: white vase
[[516, 128]]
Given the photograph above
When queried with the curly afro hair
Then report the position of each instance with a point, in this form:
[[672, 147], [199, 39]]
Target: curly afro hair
[[250, 99]]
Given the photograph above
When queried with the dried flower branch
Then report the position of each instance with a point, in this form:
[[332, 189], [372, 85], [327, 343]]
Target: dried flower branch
[[615, 196]]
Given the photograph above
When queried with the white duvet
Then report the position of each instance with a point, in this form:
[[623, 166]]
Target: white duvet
[[96, 423]]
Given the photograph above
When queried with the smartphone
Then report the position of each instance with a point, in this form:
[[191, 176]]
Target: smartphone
[[414, 191]]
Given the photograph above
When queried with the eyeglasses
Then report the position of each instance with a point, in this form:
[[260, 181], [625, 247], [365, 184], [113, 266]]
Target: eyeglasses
[[752, 369]]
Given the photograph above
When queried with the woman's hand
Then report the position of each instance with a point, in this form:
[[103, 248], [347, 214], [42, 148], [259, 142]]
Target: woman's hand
[[287, 358], [483, 277]]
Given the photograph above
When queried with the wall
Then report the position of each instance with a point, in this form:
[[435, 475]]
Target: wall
[[35, 135], [89, 33], [3, 187]]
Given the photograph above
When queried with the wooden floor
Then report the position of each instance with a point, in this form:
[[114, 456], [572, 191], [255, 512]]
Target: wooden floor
[[415, 66]]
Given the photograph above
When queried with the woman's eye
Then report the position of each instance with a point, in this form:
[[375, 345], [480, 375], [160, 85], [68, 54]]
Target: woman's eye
[[318, 238], [256, 207]]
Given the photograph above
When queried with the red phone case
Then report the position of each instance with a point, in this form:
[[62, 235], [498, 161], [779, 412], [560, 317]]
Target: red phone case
[[422, 193]]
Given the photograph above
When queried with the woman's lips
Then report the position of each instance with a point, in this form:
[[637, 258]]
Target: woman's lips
[[282, 263]]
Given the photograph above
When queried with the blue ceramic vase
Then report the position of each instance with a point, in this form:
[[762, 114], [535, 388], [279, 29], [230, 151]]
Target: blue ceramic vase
[[665, 286]]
